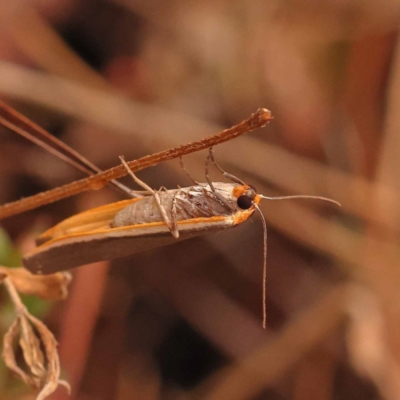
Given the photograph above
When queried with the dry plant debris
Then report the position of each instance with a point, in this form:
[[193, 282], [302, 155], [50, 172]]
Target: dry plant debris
[[48, 287], [37, 343]]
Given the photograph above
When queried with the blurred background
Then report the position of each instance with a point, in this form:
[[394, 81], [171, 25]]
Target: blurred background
[[132, 77]]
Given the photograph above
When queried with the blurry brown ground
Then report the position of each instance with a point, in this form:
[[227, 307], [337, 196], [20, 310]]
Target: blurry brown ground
[[133, 77]]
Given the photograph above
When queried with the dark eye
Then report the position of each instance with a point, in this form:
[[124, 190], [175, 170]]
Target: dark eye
[[244, 202]]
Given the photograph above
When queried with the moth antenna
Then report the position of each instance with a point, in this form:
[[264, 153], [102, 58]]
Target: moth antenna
[[301, 196], [208, 179], [264, 280], [187, 172], [220, 169]]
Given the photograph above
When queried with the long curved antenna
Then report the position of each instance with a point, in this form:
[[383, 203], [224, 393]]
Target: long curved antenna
[[301, 196], [264, 281], [187, 172], [220, 169], [209, 181]]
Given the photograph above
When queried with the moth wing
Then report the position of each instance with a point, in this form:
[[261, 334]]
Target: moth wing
[[96, 218], [83, 248]]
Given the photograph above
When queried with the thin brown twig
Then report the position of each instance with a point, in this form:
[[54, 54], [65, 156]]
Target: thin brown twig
[[18, 123], [257, 120], [14, 296]]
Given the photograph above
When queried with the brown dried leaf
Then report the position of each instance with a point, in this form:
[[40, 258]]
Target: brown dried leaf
[[9, 356], [47, 287], [33, 335], [32, 352], [53, 362]]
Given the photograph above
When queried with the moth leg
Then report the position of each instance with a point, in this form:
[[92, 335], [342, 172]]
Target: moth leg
[[163, 212], [207, 175], [187, 172], [218, 198], [197, 207], [173, 214], [223, 172], [217, 195]]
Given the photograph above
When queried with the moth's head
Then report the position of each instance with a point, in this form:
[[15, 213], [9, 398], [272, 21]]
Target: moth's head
[[246, 196]]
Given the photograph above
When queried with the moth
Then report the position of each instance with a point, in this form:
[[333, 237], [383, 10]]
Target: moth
[[157, 218], [148, 220]]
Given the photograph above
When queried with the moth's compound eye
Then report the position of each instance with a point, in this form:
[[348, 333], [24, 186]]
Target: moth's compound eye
[[244, 202]]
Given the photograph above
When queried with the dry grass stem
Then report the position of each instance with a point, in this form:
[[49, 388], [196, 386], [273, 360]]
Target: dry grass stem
[[257, 120], [268, 363], [62, 60], [368, 345]]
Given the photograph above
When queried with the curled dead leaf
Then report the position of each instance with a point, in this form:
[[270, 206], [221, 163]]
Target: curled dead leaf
[[30, 345], [47, 287], [38, 345]]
